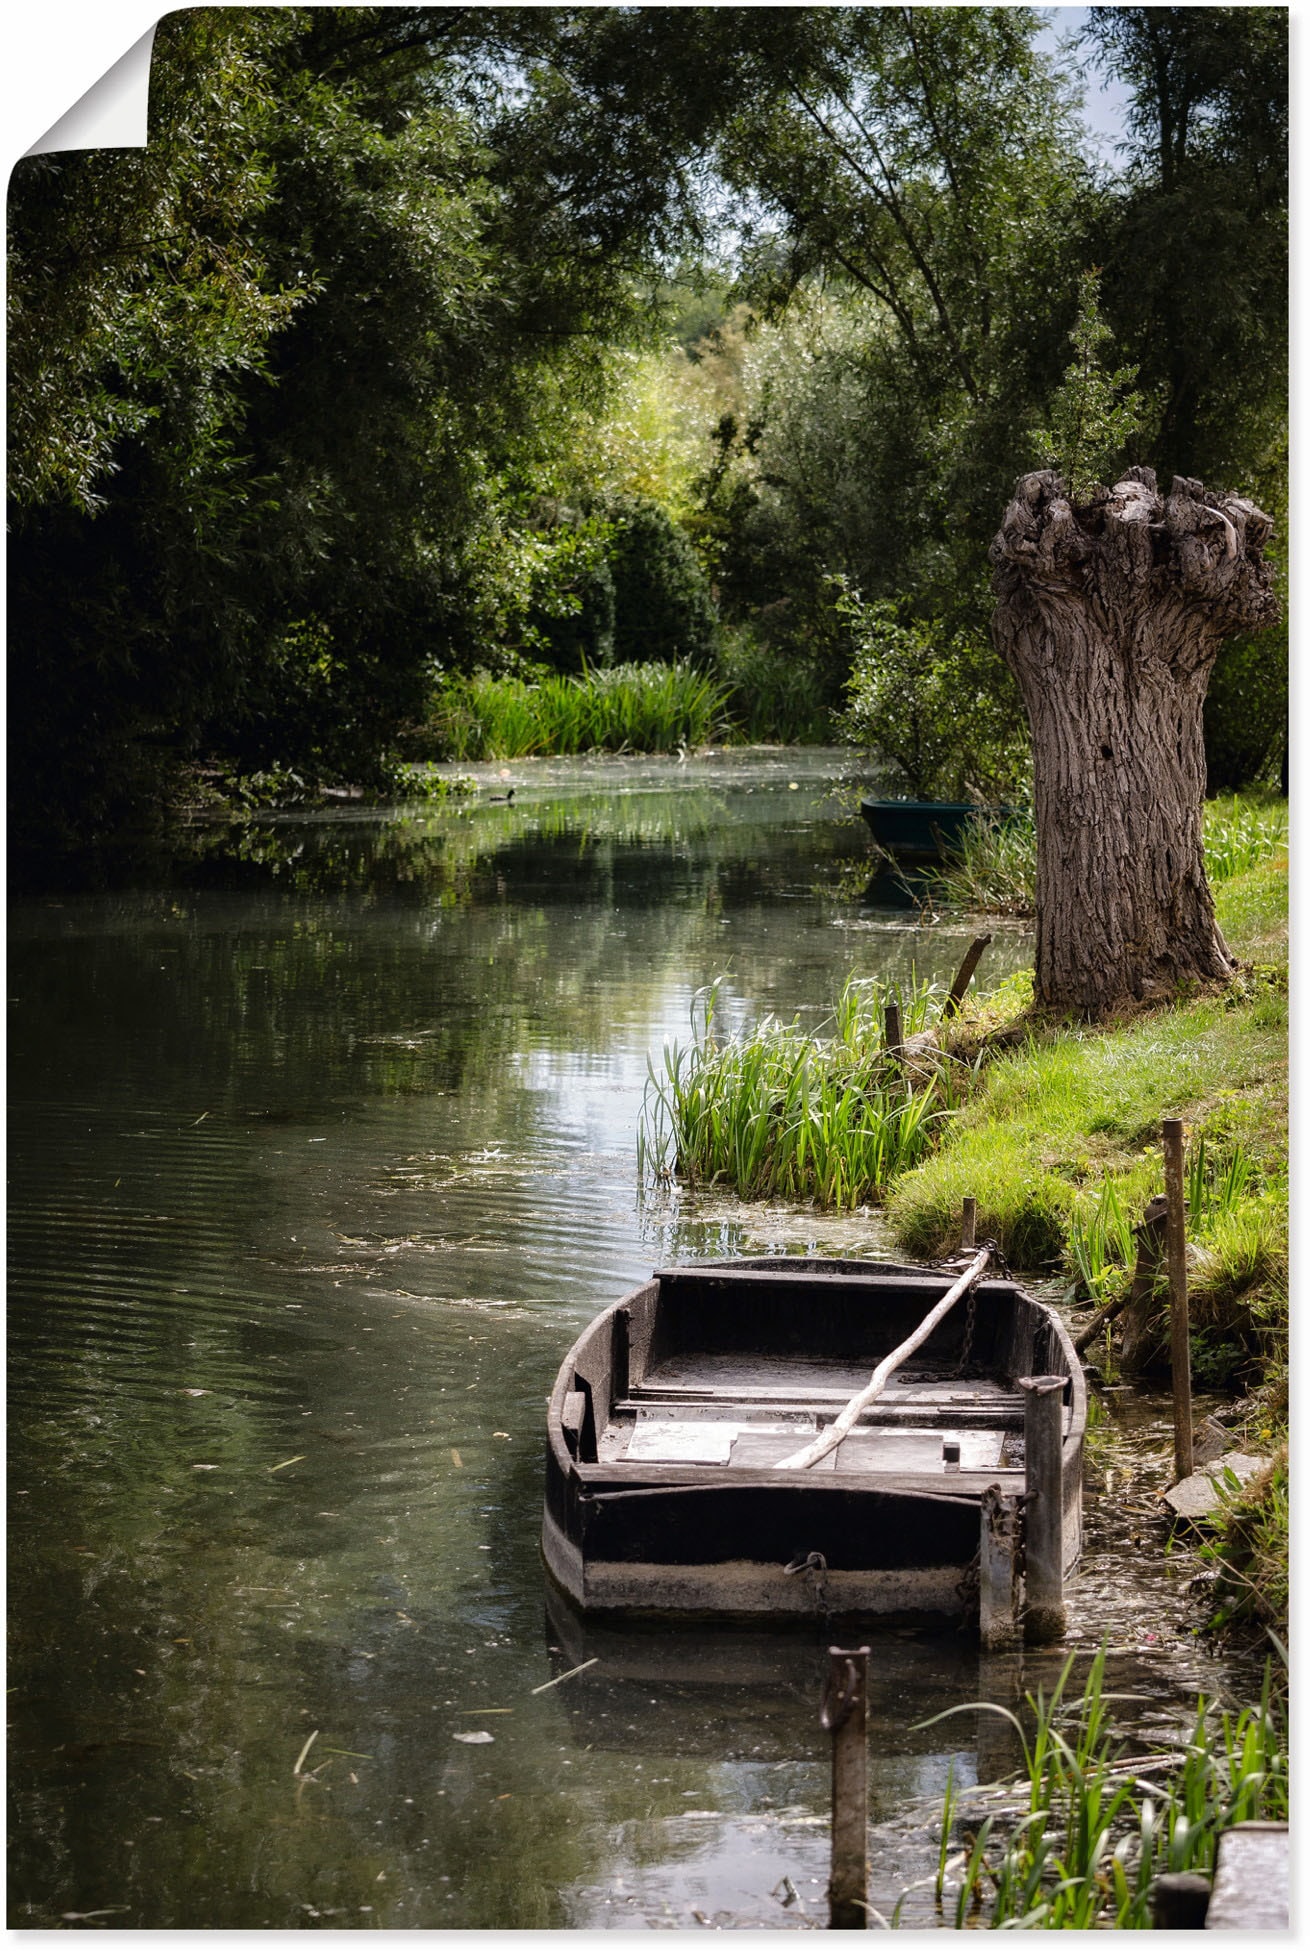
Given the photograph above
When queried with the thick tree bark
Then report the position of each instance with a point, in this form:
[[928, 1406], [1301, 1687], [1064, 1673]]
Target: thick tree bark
[[1110, 615]]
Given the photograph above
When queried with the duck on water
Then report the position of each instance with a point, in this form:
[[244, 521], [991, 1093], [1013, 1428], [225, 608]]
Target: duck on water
[[718, 1447]]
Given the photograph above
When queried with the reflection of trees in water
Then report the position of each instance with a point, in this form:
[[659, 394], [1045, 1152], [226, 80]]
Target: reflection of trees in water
[[460, 853]]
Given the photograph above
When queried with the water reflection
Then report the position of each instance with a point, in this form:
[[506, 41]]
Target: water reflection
[[320, 1155]]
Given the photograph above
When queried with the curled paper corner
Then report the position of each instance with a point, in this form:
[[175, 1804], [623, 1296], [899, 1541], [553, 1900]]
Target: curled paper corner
[[114, 111]]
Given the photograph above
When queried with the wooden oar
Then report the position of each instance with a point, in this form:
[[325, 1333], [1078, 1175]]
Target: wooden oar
[[841, 1426]]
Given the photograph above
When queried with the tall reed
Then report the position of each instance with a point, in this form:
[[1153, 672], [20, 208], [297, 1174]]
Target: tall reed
[[1087, 1830], [780, 1113], [629, 708]]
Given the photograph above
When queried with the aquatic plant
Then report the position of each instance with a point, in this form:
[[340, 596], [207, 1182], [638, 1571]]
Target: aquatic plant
[[778, 1112], [1079, 1838], [629, 708], [992, 869], [775, 696]]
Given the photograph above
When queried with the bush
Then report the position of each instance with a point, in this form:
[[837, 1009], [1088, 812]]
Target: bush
[[939, 707], [775, 696], [663, 611], [1246, 713]]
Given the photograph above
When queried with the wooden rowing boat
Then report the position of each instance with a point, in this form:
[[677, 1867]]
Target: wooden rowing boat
[[673, 1411], [923, 829]]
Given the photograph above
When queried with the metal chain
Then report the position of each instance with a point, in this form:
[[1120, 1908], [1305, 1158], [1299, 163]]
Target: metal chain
[[814, 1567], [970, 1316]]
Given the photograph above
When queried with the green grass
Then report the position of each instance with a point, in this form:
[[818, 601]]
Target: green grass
[[1087, 1829], [994, 868], [1249, 1551], [630, 708], [1059, 1143]]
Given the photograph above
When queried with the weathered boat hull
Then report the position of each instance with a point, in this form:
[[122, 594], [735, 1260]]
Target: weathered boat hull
[[731, 1366]]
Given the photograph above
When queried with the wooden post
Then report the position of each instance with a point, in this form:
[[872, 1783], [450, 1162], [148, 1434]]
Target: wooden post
[[844, 1713], [1140, 1305], [1044, 1617], [1179, 1901], [969, 1226], [998, 1587], [1180, 1352], [963, 976], [891, 1034]]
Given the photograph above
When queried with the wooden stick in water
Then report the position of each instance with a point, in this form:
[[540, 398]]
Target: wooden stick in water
[[840, 1428]]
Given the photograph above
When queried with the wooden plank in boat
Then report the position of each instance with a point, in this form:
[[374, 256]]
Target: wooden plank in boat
[[925, 1282], [881, 1450], [683, 1442], [741, 1374]]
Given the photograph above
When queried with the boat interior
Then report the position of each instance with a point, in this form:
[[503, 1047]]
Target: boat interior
[[739, 1364]]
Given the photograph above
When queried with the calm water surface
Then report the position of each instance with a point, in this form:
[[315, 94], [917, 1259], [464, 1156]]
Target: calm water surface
[[320, 1157]]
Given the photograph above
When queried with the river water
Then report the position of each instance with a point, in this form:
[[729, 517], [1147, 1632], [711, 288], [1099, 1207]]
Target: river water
[[322, 1150]]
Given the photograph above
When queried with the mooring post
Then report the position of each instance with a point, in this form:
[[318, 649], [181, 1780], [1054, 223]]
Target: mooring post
[[1140, 1305], [845, 1714], [969, 1224], [1180, 1351], [998, 1582], [1044, 1617], [891, 1032]]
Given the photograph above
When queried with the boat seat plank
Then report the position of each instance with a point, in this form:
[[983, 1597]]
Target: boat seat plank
[[760, 1447], [794, 1374]]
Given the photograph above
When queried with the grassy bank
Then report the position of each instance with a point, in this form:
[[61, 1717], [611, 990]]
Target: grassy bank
[[1059, 1143], [994, 868], [1055, 1131], [1078, 1840]]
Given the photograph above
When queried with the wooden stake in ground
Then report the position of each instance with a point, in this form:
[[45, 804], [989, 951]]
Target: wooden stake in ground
[[1180, 1352], [845, 1715], [840, 1428], [1136, 1300], [964, 975], [969, 1223]]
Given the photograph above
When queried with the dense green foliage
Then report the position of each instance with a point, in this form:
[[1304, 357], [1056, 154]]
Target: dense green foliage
[[935, 703], [408, 347]]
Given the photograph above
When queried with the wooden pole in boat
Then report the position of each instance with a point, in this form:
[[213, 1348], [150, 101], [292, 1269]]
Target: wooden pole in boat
[[1044, 1616], [1180, 1351], [844, 1713], [842, 1425]]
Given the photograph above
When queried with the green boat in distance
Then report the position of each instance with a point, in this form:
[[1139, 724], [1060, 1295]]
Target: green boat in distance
[[923, 829]]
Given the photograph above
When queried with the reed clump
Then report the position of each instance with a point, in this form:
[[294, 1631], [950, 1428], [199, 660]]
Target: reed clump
[[626, 708], [1079, 1839], [781, 1112]]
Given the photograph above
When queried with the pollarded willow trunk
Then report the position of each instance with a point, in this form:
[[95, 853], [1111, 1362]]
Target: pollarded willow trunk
[[1110, 616]]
